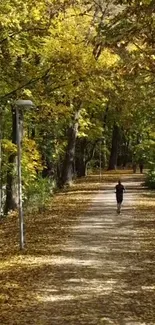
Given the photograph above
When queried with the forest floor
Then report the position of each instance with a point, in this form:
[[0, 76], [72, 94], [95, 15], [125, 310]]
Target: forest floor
[[83, 264]]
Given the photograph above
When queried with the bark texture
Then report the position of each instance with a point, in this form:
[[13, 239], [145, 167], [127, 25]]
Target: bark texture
[[114, 148], [68, 164]]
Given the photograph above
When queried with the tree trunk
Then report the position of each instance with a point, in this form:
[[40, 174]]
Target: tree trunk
[[85, 153], [67, 168], [81, 167], [104, 136], [11, 187], [80, 160], [114, 148]]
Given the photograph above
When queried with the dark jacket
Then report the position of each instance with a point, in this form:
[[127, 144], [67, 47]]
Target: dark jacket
[[119, 192]]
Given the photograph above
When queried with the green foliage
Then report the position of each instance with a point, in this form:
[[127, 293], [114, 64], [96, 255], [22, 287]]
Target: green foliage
[[62, 56], [8, 147], [38, 193], [31, 161], [150, 178]]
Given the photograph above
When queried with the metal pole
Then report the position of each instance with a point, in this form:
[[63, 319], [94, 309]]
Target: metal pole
[[20, 208]]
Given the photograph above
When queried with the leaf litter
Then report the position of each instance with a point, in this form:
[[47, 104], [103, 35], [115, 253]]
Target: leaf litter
[[53, 283]]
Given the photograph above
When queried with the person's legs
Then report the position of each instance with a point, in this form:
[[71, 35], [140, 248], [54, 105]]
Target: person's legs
[[118, 207], [119, 204]]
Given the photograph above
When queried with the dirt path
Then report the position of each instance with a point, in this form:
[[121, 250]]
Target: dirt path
[[104, 272]]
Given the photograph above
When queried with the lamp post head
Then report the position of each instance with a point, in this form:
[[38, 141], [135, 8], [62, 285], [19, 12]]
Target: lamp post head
[[24, 103]]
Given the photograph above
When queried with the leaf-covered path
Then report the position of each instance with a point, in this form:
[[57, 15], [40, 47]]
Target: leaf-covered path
[[97, 268]]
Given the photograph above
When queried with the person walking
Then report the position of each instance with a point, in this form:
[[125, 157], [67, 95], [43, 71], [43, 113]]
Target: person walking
[[119, 195]]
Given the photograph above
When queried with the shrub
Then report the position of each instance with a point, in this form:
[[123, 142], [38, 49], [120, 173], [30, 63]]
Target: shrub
[[150, 178], [38, 194]]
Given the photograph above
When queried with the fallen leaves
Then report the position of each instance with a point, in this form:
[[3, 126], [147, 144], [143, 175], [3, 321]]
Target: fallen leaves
[[80, 267], [22, 274]]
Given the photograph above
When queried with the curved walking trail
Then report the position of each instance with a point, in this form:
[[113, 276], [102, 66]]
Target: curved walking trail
[[109, 275], [103, 273]]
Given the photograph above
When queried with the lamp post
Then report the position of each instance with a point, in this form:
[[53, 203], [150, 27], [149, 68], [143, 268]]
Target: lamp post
[[20, 103]]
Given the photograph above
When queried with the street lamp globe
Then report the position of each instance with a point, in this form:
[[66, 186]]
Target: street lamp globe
[[24, 103]]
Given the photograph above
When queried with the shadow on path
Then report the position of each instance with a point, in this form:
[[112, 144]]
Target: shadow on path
[[103, 273]]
